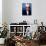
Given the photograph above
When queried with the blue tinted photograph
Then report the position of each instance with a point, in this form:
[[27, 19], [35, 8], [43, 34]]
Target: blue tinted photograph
[[27, 9]]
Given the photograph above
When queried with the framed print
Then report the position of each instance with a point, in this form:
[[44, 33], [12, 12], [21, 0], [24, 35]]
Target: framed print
[[26, 9]]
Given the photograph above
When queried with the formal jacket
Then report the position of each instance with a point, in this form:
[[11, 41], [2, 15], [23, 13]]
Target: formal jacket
[[25, 13]]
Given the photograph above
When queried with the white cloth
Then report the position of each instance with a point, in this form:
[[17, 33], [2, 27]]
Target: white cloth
[[28, 31], [31, 30]]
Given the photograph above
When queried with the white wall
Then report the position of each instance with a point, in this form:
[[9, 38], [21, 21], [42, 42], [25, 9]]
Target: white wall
[[4, 11], [13, 11], [0, 13]]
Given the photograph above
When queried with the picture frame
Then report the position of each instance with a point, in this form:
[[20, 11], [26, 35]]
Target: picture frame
[[26, 9]]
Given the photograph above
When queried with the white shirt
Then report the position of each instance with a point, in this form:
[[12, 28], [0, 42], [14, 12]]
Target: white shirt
[[27, 12]]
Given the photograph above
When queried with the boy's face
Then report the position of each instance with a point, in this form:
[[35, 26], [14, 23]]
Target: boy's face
[[27, 7]]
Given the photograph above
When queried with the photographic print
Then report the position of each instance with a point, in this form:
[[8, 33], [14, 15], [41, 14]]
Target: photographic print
[[27, 9]]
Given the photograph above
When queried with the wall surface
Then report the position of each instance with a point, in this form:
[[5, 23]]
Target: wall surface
[[12, 11], [0, 13]]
